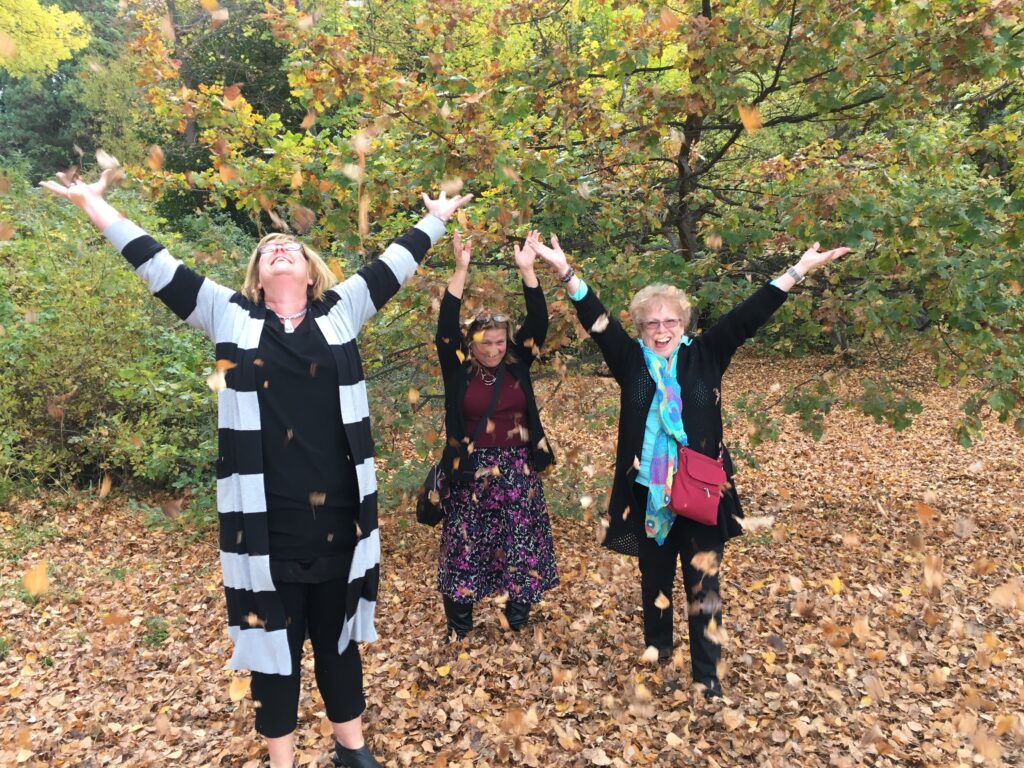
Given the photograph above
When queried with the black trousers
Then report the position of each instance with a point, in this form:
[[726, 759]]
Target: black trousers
[[320, 609], [702, 597]]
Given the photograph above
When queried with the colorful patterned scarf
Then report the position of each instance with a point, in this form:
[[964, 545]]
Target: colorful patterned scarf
[[669, 406]]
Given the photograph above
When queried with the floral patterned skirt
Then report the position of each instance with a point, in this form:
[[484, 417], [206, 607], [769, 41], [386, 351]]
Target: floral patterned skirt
[[497, 535]]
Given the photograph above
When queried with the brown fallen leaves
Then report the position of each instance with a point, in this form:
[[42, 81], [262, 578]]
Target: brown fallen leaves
[[863, 633]]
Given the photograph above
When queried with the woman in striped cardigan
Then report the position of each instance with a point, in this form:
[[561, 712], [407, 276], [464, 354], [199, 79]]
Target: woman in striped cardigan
[[296, 485]]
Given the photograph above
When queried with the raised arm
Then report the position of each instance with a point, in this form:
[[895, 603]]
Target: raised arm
[[611, 338], [531, 334], [197, 300], [448, 337], [744, 320], [362, 294]]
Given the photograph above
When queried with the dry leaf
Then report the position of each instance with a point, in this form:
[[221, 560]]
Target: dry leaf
[[155, 158], [750, 116], [601, 324], [238, 688], [105, 485], [36, 580], [661, 602]]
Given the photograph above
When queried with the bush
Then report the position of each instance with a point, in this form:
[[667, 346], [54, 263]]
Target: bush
[[97, 376]]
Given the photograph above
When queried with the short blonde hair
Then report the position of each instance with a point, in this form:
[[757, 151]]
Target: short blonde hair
[[659, 293], [485, 320], [322, 276]]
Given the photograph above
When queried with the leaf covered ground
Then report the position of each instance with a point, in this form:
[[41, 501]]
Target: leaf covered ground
[[877, 621]]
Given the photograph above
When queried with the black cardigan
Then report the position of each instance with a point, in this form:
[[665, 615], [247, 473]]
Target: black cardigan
[[699, 369], [526, 343]]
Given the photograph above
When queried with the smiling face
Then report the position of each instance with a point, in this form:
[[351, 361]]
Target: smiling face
[[282, 265], [488, 346], [661, 328]]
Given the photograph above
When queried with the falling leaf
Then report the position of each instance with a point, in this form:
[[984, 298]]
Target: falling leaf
[[835, 585], [586, 501], [462, 217], [714, 241], [600, 324], [933, 575], [227, 173], [36, 580], [414, 396], [219, 16], [668, 21], [756, 523], [232, 95], [309, 120], [302, 219], [650, 655], [661, 602], [510, 173], [8, 48], [238, 688], [167, 28], [925, 513], [364, 214], [452, 185], [360, 143], [155, 158], [317, 498], [105, 485], [750, 116], [706, 562], [443, 670]]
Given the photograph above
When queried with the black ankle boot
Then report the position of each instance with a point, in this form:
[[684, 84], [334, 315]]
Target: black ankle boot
[[517, 614], [460, 617], [344, 757]]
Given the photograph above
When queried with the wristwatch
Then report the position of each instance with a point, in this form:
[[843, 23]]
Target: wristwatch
[[797, 277]]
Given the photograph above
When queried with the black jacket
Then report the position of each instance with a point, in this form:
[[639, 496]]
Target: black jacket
[[526, 343], [699, 369]]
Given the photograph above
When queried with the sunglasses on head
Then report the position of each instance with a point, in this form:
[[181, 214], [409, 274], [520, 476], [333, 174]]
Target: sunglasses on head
[[487, 318]]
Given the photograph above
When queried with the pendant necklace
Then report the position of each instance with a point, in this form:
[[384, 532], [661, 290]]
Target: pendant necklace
[[287, 320], [487, 377]]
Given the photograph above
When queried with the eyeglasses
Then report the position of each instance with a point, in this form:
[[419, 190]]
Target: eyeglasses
[[652, 325], [291, 247]]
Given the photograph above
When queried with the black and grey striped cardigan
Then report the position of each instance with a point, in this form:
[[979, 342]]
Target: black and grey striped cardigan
[[256, 619]]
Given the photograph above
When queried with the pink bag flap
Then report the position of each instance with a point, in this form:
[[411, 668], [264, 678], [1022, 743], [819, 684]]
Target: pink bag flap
[[702, 468]]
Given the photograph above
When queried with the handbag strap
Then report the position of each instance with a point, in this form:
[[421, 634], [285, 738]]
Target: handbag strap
[[492, 405]]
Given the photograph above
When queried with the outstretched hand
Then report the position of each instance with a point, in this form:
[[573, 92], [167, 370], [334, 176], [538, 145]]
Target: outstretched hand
[[814, 257], [69, 185], [443, 207], [527, 255], [463, 251], [552, 255]]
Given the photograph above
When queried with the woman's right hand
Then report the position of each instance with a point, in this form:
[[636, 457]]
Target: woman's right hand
[[553, 256], [77, 191], [463, 251]]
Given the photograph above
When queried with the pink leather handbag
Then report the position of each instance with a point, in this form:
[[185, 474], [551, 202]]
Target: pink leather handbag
[[697, 486]]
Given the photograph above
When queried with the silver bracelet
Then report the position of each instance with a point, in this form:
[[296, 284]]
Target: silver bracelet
[[797, 277]]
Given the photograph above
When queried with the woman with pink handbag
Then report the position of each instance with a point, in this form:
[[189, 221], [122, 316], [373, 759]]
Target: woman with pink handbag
[[672, 493]]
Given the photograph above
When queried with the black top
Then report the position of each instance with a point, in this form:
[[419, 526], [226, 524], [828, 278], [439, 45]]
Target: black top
[[699, 370], [308, 472], [525, 346]]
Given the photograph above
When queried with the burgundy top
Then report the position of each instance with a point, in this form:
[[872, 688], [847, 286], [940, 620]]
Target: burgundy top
[[509, 415]]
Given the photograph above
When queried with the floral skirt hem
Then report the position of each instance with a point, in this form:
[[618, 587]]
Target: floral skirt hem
[[497, 535]]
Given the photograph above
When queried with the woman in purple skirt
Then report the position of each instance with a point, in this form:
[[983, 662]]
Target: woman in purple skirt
[[496, 537]]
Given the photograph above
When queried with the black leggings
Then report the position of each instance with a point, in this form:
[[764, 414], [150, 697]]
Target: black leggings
[[320, 608]]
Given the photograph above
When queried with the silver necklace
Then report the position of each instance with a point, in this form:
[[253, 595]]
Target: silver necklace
[[287, 319], [487, 377]]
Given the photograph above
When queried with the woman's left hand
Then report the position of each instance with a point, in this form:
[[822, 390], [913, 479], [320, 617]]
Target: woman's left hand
[[443, 207], [814, 257]]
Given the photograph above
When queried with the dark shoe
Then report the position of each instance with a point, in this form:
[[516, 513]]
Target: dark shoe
[[665, 655], [344, 757], [712, 689], [517, 614], [460, 617]]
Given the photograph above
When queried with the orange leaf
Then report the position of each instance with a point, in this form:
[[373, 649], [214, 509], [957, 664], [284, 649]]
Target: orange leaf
[[750, 117], [238, 688], [36, 580], [308, 120], [668, 20], [7, 47], [364, 215], [105, 485], [227, 173], [232, 95], [155, 159], [925, 513]]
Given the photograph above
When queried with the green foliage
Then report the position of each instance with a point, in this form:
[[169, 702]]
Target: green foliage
[[35, 38], [156, 631], [98, 377], [5, 647]]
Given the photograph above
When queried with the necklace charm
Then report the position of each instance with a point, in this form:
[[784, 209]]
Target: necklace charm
[[287, 320], [487, 378]]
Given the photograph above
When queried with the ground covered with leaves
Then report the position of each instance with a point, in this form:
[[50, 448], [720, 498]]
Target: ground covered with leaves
[[875, 621]]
